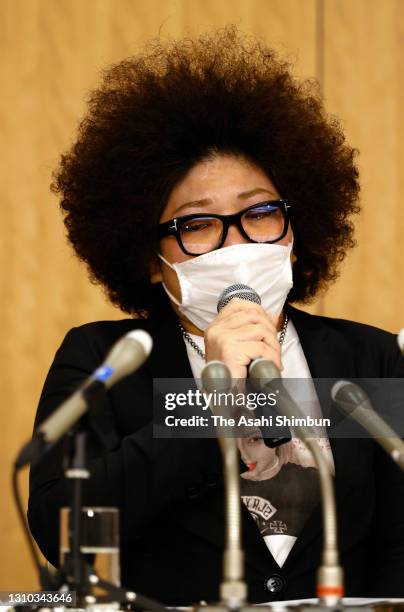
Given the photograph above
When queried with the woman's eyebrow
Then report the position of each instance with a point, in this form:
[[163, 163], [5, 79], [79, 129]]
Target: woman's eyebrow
[[242, 196], [193, 204], [256, 191]]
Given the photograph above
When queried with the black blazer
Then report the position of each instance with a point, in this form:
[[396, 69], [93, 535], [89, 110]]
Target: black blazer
[[170, 490]]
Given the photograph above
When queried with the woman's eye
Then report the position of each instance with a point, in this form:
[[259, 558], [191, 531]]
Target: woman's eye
[[260, 213], [256, 216], [196, 226]]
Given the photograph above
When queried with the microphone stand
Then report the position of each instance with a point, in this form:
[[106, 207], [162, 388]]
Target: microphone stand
[[75, 567], [330, 574], [216, 377], [76, 572], [80, 574]]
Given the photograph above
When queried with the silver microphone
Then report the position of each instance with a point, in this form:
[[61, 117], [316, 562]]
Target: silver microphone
[[216, 378], [124, 358], [244, 292], [354, 402]]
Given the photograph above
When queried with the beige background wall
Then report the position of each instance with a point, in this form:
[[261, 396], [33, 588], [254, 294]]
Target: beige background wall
[[51, 52]]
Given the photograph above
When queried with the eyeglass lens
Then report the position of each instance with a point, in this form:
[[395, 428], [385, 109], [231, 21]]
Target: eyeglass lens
[[261, 224]]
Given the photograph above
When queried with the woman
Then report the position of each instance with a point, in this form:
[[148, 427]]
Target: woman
[[200, 164]]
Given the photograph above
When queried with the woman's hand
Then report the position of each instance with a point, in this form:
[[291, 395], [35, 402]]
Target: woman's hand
[[242, 332]]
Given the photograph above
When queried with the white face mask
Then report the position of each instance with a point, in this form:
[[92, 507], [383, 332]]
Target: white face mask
[[266, 268]]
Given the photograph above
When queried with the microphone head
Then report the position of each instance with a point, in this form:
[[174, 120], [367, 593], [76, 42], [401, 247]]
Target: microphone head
[[244, 292], [263, 371], [126, 356], [216, 377], [400, 340], [348, 396], [142, 336], [336, 389]]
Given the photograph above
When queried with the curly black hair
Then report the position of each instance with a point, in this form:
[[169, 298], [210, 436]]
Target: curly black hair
[[159, 113]]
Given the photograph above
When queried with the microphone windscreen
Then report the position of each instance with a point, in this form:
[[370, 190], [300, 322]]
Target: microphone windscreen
[[216, 377], [263, 371], [244, 292], [126, 355], [348, 396]]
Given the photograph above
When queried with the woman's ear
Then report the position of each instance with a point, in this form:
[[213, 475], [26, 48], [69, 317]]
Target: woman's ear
[[155, 271]]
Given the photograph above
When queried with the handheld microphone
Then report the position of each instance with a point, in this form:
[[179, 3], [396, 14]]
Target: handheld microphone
[[244, 292], [354, 402], [124, 358]]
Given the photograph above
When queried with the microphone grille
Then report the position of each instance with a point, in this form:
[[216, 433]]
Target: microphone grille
[[244, 292], [336, 388]]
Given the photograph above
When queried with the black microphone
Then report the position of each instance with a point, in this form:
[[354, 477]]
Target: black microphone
[[244, 292], [126, 356], [354, 402]]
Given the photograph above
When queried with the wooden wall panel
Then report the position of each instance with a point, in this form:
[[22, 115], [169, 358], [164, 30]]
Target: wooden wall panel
[[51, 55], [52, 52], [364, 85]]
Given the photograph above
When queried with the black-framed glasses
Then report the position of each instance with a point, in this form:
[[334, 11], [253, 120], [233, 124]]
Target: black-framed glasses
[[199, 233]]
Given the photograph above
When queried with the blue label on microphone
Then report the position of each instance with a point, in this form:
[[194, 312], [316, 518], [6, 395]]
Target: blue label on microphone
[[103, 373]]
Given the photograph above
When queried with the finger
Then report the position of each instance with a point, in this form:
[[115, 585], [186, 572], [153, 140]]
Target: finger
[[253, 332], [237, 319], [273, 355], [273, 317], [230, 335], [250, 350], [224, 340], [249, 331], [239, 305]]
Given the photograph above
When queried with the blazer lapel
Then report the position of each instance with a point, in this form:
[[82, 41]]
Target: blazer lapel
[[169, 357]]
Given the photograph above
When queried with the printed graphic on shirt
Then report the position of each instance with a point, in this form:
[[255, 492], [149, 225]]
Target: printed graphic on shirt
[[259, 507], [282, 504], [281, 487]]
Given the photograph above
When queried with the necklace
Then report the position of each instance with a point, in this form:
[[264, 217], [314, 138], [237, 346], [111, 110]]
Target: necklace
[[201, 354]]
